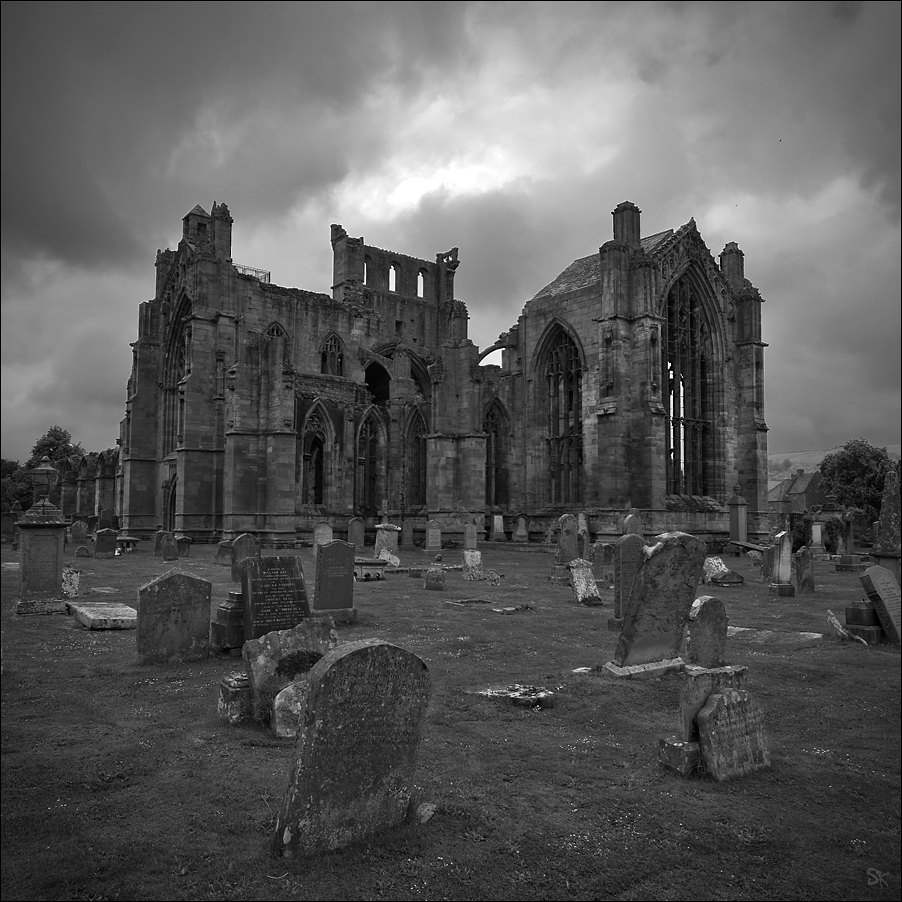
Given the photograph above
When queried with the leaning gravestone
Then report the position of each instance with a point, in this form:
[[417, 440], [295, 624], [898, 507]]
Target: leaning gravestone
[[732, 735], [357, 748], [169, 549], [174, 619], [386, 538], [356, 532], [660, 600], [244, 547], [334, 589], [273, 593], [224, 554], [627, 558], [708, 623], [582, 579], [567, 543], [882, 589]]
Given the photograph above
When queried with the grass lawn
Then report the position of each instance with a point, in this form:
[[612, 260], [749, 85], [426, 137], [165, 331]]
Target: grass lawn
[[120, 782]]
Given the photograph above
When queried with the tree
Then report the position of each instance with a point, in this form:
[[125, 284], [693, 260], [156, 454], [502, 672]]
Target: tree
[[855, 474], [56, 444]]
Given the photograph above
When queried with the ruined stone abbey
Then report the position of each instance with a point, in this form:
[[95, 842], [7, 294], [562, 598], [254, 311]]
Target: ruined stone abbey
[[633, 381]]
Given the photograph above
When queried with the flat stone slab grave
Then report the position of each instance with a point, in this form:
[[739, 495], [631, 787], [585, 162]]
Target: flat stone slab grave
[[103, 615]]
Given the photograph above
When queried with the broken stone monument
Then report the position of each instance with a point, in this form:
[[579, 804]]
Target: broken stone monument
[[660, 600], [582, 580], [803, 568], [708, 623], [435, 578], [357, 746], [386, 538], [732, 735]]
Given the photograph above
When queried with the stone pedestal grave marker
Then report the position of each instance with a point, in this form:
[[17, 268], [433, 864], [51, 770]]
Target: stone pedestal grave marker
[[708, 623], [782, 574], [627, 556], [472, 566], [274, 595], [732, 736], [334, 589], [42, 536], [882, 589], [174, 619], [244, 547], [356, 533], [660, 600], [803, 565], [583, 582], [357, 748]]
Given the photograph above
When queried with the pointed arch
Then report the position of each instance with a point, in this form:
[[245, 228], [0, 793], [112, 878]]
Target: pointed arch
[[371, 445], [176, 369], [313, 467], [496, 425], [415, 461], [559, 370], [332, 355], [691, 363]]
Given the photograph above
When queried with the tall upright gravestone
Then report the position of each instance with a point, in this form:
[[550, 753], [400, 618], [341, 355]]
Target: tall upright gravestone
[[654, 623], [244, 547], [782, 572], [334, 590], [274, 594], [357, 746], [627, 558], [567, 543], [356, 533], [173, 622]]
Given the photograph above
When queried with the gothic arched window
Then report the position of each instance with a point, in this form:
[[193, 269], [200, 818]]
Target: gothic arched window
[[370, 448], [686, 369], [332, 357], [494, 425], [415, 461], [562, 371]]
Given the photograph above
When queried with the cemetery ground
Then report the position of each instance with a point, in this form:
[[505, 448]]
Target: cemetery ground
[[119, 781]]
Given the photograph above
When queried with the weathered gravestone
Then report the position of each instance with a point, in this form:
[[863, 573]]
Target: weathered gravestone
[[660, 600], [273, 593], [435, 578], [632, 525], [386, 539], [169, 549], [470, 537], [732, 735], [708, 623], [183, 545], [782, 574], [567, 542], [433, 536], [277, 658], [767, 563], [224, 554], [887, 552], [627, 558], [521, 531], [174, 619], [322, 534], [334, 589], [356, 533], [106, 520], [498, 528], [105, 543], [79, 532], [803, 565], [244, 547], [472, 566], [357, 748], [584, 539], [83, 551], [407, 534], [582, 580], [71, 578], [882, 588], [157, 542]]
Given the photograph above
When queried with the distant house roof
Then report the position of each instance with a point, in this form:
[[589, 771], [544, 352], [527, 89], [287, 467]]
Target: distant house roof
[[586, 271], [803, 482], [780, 492]]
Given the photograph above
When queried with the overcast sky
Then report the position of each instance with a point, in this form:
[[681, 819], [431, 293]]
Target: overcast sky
[[509, 130]]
